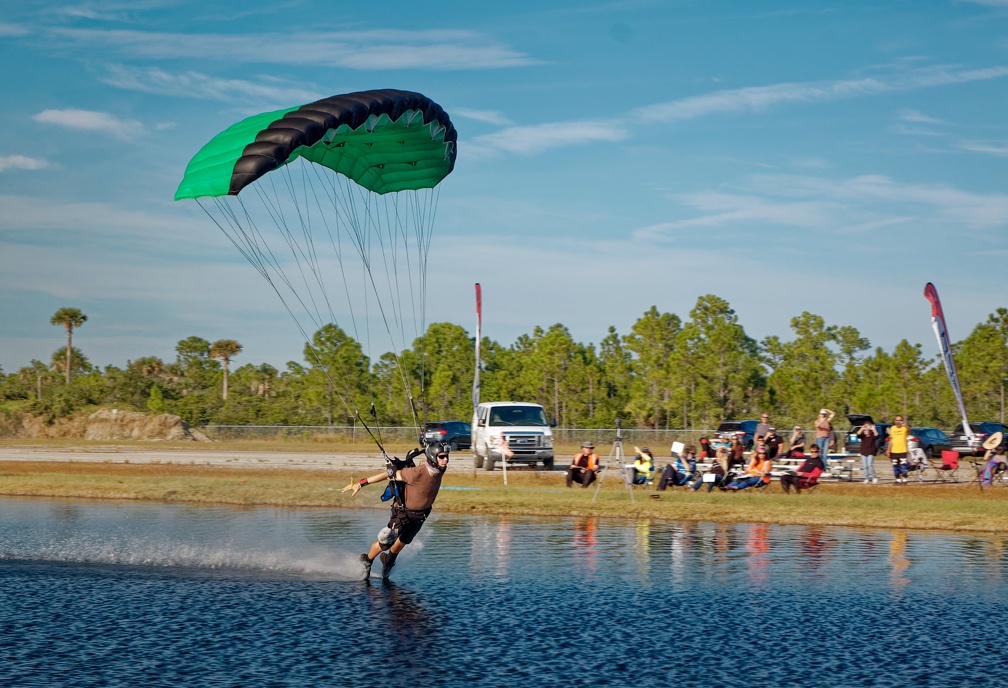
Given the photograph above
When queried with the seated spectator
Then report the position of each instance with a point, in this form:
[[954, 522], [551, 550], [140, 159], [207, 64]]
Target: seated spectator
[[706, 450], [996, 462], [797, 442], [757, 472], [736, 453], [584, 466], [679, 472], [807, 474], [773, 442], [643, 467], [715, 475]]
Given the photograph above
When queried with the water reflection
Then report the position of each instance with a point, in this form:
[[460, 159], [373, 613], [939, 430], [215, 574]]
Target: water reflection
[[898, 560]]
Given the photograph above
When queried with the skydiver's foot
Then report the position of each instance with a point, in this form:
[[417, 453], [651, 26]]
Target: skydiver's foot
[[388, 561], [367, 565]]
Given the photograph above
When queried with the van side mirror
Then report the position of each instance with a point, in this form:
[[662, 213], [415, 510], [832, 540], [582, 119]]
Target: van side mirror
[[553, 422], [481, 422]]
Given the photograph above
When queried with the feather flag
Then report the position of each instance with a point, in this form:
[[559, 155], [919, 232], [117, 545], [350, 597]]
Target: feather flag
[[945, 348]]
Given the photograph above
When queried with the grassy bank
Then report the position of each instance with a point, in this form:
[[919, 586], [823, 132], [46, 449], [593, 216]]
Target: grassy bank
[[939, 507]]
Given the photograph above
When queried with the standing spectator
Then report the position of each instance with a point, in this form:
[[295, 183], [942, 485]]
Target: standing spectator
[[823, 428], [897, 449], [761, 429], [797, 442], [584, 466], [869, 448], [773, 443]]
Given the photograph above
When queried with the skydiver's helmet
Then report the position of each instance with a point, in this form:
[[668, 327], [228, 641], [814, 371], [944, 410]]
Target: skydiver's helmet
[[432, 450]]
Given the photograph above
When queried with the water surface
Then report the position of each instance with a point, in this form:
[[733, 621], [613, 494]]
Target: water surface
[[130, 594]]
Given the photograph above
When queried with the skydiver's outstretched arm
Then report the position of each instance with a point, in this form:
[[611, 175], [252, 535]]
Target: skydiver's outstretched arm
[[376, 478]]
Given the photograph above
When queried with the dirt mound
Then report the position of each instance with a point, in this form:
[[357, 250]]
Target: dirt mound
[[111, 424]]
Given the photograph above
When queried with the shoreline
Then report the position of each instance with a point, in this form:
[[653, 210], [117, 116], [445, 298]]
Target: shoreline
[[314, 479]]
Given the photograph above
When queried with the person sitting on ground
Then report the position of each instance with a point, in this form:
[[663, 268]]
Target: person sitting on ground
[[996, 462], [706, 450], [773, 442], [757, 472], [715, 475], [807, 474], [797, 442], [584, 467], [736, 453], [643, 467], [681, 470]]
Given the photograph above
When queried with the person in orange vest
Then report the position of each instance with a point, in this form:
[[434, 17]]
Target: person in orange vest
[[584, 467]]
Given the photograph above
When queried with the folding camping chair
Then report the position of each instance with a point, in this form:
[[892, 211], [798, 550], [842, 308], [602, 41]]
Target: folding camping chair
[[946, 468]]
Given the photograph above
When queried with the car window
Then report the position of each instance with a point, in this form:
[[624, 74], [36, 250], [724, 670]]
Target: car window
[[518, 415]]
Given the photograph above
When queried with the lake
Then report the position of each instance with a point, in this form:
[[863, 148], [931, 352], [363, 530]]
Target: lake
[[140, 594]]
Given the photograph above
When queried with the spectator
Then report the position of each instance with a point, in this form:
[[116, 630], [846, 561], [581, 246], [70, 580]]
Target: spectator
[[736, 452], [897, 449], [706, 450], [772, 441], [761, 428], [797, 442], [681, 470], [715, 475], [643, 467], [757, 472], [823, 428], [995, 462], [584, 467], [806, 475], [869, 448]]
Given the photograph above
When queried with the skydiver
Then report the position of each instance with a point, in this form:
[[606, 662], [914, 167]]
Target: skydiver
[[413, 491]]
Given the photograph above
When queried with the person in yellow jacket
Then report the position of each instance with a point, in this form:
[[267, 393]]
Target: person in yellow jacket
[[643, 466], [897, 449]]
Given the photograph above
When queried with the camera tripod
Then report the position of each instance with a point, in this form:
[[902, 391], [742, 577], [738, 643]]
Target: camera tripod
[[616, 454]]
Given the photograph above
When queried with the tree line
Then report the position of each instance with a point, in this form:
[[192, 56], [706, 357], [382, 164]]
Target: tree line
[[665, 373]]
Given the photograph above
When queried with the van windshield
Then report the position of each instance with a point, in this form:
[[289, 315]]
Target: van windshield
[[518, 415]]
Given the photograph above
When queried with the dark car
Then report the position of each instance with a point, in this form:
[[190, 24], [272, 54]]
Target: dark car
[[744, 429], [852, 441], [454, 433], [932, 440], [982, 431]]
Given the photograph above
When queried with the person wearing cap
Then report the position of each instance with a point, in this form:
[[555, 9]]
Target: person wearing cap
[[773, 442], [823, 428], [643, 466], [757, 472], [584, 467]]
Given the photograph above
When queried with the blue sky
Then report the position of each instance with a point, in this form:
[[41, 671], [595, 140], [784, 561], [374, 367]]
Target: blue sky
[[788, 157]]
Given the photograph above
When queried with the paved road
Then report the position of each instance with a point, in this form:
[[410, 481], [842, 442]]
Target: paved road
[[242, 459]]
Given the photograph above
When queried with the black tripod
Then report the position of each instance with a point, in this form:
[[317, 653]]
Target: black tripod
[[616, 454]]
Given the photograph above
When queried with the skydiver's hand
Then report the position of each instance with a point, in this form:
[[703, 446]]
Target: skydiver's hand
[[354, 486]]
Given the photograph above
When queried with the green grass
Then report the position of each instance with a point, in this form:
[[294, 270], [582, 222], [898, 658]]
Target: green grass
[[955, 507]]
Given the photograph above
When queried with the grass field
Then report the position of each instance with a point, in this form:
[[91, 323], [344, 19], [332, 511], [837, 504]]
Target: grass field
[[952, 507]]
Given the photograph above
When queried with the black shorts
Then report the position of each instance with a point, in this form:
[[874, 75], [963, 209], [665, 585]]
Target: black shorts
[[896, 456], [407, 523]]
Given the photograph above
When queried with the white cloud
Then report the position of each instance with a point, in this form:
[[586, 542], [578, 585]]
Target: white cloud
[[196, 85], [527, 140], [1000, 150], [21, 162], [364, 50], [488, 116], [918, 117], [90, 120]]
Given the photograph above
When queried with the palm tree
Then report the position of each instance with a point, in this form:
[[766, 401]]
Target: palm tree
[[68, 318], [225, 350]]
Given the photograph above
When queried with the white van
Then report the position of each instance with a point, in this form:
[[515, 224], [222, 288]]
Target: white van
[[524, 427]]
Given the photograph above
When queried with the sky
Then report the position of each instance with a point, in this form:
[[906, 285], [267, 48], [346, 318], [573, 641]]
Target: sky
[[786, 156]]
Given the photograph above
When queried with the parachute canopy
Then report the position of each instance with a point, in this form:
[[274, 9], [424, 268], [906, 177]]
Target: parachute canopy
[[385, 140]]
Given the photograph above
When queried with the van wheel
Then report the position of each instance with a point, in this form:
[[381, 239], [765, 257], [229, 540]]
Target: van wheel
[[548, 464], [477, 461], [488, 464]]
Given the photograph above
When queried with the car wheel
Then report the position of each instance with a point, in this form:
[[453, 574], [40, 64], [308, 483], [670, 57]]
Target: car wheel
[[453, 446], [548, 464]]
